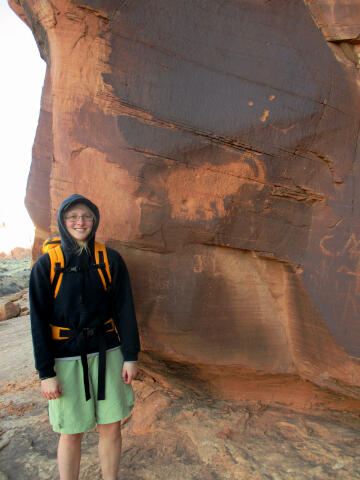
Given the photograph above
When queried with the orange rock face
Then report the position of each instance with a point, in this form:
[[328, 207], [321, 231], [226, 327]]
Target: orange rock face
[[220, 141]]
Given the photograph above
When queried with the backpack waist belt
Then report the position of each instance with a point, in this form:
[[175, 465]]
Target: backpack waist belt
[[82, 335], [62, 333]]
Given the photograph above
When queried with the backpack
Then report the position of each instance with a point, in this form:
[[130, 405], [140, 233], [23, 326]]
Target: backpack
[[52, 246]]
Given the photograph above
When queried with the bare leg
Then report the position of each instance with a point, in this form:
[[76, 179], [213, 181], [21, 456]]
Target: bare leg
[[109, 449], [69, 454]]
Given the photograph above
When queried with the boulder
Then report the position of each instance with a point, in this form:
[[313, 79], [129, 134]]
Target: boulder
[[220, 142], [16, 296], [9, 310]]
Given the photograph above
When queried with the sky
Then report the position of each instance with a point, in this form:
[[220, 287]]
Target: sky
[[21, 80]]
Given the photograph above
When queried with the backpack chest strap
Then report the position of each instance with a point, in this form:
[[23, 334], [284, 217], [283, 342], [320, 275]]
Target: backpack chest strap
[[58, 266]]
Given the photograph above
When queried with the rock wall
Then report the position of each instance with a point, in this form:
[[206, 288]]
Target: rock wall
[[220, 141]]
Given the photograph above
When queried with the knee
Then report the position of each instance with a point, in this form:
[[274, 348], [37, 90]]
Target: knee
[[73, 439], [110, 430]]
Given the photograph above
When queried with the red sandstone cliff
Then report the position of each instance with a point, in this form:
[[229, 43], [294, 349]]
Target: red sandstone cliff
[[220, 141]]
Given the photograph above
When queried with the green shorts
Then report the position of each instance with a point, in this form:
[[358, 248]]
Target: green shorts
[[71, 413]]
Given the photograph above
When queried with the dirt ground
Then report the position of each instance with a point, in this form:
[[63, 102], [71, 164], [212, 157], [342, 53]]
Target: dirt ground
[[178, 432]]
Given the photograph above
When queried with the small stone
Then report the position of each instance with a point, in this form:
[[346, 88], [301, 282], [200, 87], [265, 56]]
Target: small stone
[[224, 434], [4, 441], [316, 470], [338, 466]]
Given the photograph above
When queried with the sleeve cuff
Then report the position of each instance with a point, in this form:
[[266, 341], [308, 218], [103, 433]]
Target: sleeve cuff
[[46, 373], [129, 357]]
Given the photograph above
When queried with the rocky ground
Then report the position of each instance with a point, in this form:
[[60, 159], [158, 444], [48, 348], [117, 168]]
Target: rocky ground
[[14, 275], [180, 432]]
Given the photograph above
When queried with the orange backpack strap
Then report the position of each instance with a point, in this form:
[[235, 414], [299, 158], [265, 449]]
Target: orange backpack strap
[[57, 268], [102, 264]]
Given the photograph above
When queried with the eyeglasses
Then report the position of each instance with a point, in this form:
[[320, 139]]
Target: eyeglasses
[[76, 218]]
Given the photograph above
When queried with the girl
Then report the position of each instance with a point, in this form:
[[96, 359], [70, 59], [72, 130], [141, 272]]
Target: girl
[[85, 339]]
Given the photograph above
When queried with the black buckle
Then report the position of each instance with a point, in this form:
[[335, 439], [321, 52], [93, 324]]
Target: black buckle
[[99, 265], [73, 269], [89, 332]]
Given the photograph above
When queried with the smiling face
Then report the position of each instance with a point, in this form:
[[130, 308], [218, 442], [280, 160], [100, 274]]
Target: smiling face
[[79, 221]]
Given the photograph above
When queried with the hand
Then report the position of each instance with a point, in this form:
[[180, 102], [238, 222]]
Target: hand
[[51, 388], [129, 372]]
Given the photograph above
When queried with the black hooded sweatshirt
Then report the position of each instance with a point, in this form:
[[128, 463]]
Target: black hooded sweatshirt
[[81, 301]]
